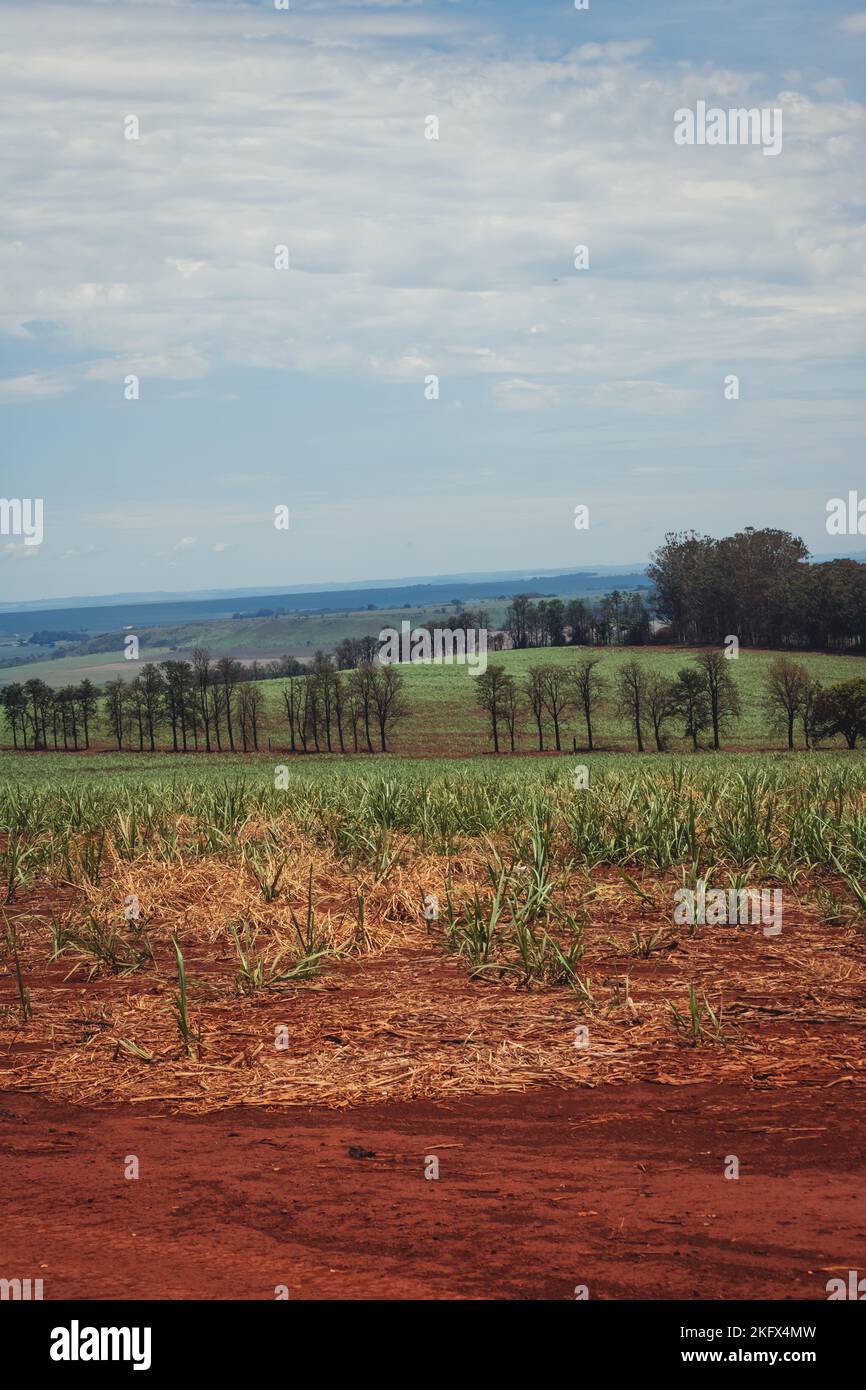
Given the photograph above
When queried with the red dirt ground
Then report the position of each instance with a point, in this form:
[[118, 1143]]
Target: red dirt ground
[[620, 1188]]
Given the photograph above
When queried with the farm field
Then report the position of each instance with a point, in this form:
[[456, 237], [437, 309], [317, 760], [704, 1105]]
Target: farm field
[[443, 717], [247, 639], [279, 962]]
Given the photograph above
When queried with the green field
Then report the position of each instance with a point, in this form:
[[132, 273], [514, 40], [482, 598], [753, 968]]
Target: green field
[[444, 719]]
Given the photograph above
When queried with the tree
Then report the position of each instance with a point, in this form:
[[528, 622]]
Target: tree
[[491, 694], [14, 703], [292, 691], [535, 697], [808, 707], [250, 701], [785, 687], [65, 704], [512, 707], [86, 696], [631, 696], [229, 673], [692, 703], [660, 706], [517, 620], [39, 699], [721, 690], [151, 687], [579, 622], [116, 700], [361, 690], [841, 709], [589, 687], [558, 696], [388, 700], [201, 668]]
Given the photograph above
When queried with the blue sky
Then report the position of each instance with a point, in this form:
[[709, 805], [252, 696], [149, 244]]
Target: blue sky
[[412, 257]]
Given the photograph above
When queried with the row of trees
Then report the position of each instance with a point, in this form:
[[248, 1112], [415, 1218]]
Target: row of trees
[[757, 586], [702, 699], [212, 706]]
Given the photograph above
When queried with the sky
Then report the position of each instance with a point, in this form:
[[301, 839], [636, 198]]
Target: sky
[[411, 258]]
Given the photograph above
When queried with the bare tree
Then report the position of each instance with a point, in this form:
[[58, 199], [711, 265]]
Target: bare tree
[[535, 697], [229, 672], [491, 689], [512, 708], [388, 700], [721, 690], [201, 668], [660, 706], [631, 696], [361, 688], [292, 692], [558, 696], [589, 686], [785, 688]]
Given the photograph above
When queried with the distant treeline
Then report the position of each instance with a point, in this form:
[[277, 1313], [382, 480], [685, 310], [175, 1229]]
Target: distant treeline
[[616, 618]]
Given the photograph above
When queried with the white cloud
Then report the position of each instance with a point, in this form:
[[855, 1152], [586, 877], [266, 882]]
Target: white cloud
[[17, 550], [517, 394], [33, 386], [407, 255]]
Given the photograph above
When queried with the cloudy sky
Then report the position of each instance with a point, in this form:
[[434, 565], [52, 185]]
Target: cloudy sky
[[410, 258]]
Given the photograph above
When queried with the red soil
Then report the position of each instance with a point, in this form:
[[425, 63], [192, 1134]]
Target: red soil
[[620, 1188]]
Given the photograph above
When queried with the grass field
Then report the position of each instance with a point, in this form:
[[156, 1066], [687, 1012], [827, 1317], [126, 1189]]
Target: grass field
[[444, 718]]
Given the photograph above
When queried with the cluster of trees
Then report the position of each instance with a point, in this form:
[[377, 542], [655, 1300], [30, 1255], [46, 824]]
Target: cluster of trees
[[702, 700], [205, 704], [329, 708], [756, 585], [616, 618], [37, 715]]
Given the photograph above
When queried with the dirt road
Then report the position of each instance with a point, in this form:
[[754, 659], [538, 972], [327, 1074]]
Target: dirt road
[[621, 1189]]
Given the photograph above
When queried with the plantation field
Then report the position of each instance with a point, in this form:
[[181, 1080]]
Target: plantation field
[[555, 904], [431, 958]]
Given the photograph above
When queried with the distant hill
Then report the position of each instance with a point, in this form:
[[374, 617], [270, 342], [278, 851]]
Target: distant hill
[[135, 614]]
